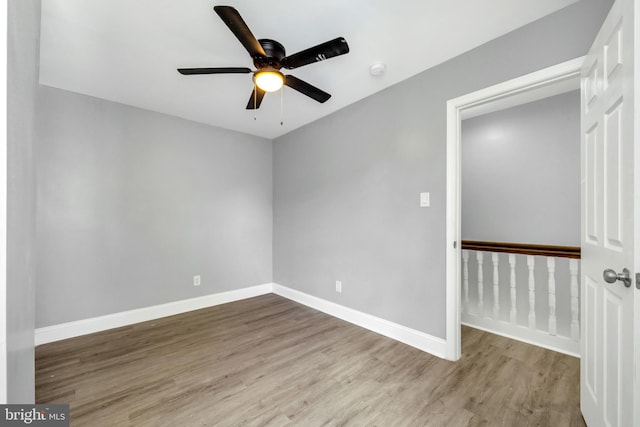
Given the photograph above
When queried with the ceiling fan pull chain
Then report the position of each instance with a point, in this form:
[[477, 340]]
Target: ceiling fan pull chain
[[255, 101], [281, 106]]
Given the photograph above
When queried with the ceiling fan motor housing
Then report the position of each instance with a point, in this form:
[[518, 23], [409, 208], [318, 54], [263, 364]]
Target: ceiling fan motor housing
[[275, 52]]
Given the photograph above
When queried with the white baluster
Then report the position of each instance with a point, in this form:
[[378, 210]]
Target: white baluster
[[532, 293], [551, 268], [465, 280], [512, 284], [480, 257], [496, 289], [575, 303]]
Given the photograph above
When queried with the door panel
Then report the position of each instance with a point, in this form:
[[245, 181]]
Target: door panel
[[589, 362], [613, 51], [613, 308], [590, 196], [608, 138], [613, 177]]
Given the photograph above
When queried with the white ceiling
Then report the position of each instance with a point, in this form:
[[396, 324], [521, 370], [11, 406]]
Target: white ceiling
[[127, 51]]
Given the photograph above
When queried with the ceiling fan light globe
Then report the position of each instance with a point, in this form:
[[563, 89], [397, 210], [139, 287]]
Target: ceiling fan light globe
[[269, 81]]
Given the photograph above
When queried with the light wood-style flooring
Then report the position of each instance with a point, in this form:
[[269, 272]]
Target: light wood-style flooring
[[268, 361]]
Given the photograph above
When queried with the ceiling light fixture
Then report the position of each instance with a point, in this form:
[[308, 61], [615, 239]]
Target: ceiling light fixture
[[268, 80]]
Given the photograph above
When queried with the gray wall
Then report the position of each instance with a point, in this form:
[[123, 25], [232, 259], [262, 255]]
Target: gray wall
[[521, 173], [131, 204], [23, 33], [346, 187]]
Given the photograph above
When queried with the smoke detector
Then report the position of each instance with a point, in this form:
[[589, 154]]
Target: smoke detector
[[377, 69]]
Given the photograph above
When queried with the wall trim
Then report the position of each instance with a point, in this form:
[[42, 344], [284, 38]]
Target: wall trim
[[4, 40], [414, 338], [420, 340], [495, 96], [556, 343], [551, 251], [115, 320]]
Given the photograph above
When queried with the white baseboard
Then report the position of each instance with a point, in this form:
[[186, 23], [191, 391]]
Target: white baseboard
[[412, 337], [520, 333], [420, 340], [96, 324]]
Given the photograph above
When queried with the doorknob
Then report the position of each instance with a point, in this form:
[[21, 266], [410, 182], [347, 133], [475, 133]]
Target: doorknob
[[611, 276]]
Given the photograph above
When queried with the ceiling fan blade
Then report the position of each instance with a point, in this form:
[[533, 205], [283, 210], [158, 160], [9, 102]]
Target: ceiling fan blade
[[219, 70], [239, 28], [306, 89], [317, 53], [256, 98]]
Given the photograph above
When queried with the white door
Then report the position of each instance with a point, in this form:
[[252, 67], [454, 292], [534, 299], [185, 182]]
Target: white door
[[608, 137]]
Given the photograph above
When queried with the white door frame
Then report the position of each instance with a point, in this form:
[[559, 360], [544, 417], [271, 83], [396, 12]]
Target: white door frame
[[532, 86], [3, 203]]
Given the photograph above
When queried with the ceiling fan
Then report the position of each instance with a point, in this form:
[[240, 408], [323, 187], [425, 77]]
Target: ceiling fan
[[269, 58]]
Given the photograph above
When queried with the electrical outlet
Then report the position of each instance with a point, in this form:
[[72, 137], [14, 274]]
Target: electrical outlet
[[196, 280], [338, 286]]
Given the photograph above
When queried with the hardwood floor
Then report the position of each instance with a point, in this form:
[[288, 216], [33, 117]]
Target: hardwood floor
[[268, 361]]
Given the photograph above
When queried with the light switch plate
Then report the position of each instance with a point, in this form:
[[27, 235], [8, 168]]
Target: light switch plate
[[425, 200]]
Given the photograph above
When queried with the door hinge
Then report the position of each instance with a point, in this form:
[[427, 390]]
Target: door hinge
[[637, 280], [455, 244]]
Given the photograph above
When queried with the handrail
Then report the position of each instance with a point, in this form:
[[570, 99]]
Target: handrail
[[523, 248]]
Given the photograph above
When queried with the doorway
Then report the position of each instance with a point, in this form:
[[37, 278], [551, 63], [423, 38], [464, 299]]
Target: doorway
[[535, 86]]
